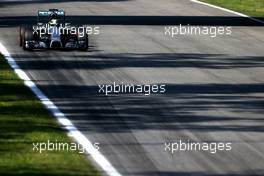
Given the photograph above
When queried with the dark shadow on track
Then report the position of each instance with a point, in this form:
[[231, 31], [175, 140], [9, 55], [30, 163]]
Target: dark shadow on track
[[23, 2], [181, 102], [140, 20], [16, 171], [158, 60], [94, 112]]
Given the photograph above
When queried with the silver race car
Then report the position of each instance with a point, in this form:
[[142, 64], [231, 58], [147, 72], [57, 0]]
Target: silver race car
[[51, 32]]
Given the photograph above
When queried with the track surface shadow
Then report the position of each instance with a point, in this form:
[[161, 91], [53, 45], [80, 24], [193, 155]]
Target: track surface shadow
[[140, 20]]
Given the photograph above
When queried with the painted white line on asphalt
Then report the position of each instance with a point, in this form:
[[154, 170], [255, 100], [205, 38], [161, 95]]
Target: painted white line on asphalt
[[65, 122], [227, 10]]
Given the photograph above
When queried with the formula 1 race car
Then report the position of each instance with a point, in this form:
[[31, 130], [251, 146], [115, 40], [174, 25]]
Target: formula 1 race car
[[51, 32]]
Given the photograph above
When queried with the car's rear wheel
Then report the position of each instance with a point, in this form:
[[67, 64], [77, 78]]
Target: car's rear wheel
[[21, 35], [83, 42], [28, 36]]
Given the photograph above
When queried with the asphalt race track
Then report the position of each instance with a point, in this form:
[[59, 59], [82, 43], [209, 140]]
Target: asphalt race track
[[214, 93]]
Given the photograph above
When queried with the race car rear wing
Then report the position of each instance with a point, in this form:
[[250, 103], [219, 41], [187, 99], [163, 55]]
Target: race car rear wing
[[47, 13]]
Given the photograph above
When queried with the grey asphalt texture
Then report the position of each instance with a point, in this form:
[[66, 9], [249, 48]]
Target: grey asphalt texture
[[214, 92]]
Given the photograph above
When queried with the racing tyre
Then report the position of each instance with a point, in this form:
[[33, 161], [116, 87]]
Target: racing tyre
[[21, 35], [83, 42], [28, 36]]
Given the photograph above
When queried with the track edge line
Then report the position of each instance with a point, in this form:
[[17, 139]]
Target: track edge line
[[227, 10]]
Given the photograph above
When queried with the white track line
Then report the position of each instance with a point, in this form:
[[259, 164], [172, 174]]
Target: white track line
[[227, 10], [65, 122]]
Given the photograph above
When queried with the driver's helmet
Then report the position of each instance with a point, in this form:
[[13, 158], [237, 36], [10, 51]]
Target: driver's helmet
[[53, 20]]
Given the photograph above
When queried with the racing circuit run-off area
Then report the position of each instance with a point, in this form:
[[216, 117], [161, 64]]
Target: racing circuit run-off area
[[132, 87]]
